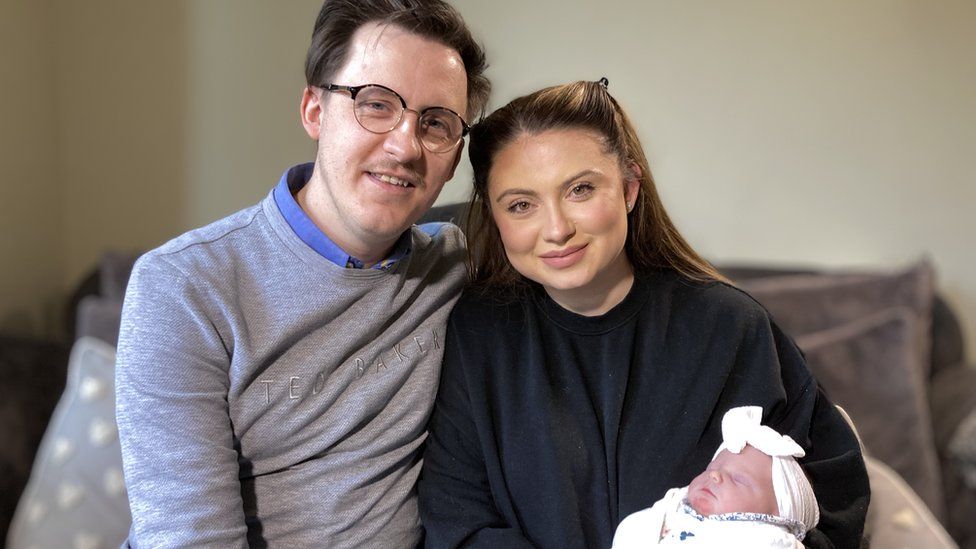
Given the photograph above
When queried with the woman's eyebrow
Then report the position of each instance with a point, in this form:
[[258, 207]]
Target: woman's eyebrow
[[566, 183], [569, 180], [506, 192]]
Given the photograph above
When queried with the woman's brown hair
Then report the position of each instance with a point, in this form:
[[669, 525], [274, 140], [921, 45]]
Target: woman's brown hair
[[653, 242]]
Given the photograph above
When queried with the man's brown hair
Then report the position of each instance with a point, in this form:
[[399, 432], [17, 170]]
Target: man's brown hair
[[436, 20]]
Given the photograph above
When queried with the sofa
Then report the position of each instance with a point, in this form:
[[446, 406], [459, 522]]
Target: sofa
[[884, 344]]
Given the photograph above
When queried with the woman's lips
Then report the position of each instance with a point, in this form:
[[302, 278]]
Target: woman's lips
[[566, 257]]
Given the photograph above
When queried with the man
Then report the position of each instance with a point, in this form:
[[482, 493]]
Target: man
[[276, 369]]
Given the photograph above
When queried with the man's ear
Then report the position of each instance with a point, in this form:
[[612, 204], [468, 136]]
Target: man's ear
[[457, 158], [311, 111]]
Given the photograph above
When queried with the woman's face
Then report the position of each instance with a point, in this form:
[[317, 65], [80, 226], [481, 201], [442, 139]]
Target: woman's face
[[560, 204]]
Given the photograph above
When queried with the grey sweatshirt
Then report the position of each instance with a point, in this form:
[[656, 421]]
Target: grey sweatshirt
[[268, 397]]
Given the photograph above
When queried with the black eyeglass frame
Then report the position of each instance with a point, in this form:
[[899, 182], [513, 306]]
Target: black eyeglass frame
[[354, 90]]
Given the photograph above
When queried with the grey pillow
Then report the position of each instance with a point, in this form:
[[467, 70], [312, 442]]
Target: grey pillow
[[952, 395], [803, 304], [114, 270], [962, 448], [867, 340], [76, 494], [869, 367], [99, 317]]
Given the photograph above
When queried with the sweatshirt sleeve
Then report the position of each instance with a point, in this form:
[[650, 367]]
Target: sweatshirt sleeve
[[180, 463], [833, 462], [456, 503]]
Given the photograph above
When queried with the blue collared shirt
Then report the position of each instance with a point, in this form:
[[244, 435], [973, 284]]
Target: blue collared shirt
[[284, 194]]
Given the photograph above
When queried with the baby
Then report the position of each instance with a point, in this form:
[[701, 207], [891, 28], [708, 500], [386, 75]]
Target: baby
[[752, 494]]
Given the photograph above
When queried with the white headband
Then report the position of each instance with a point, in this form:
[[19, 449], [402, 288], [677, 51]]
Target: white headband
[[794, 495]]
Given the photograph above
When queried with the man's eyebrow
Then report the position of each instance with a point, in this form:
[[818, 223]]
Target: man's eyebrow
[[567, 182]]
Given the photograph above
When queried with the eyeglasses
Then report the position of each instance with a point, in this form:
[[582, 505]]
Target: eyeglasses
[[378, 109]]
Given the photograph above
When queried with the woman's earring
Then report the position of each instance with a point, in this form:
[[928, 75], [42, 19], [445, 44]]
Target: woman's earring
[[630, 207]]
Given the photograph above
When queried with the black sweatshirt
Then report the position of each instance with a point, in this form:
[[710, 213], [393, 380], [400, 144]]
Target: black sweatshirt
[[551, 427]]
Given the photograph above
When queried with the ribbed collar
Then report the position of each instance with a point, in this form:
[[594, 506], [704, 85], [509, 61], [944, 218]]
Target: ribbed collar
[[622, 313]]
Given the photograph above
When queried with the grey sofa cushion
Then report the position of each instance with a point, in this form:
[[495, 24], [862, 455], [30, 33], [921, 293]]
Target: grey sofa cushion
[[803, 304], [114, 269], [99, 317], [33, 378], [76, 493], [867, 340], [869, 367], [953, 398]]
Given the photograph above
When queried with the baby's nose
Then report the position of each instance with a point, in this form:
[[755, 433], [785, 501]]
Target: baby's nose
[[715, 476]]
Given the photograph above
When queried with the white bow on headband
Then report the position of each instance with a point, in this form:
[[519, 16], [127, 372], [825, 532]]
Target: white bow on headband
[[794, 494], [743, 425]]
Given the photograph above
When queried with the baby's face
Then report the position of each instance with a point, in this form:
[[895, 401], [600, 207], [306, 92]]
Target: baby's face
[[735, 483]]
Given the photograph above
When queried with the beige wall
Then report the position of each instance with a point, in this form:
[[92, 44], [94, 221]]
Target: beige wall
[[245, 73], [121, 73], [126, 123], [174, 114], [30, 208], [823, 133]]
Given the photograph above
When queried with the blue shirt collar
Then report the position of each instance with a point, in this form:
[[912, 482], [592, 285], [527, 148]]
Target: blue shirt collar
[[284, 194]]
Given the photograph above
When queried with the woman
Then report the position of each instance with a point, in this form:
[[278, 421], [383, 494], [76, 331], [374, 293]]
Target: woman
[[588, 367]]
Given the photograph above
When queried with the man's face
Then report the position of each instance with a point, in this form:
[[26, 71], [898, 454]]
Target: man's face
[[735, 483], [368, 188]]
